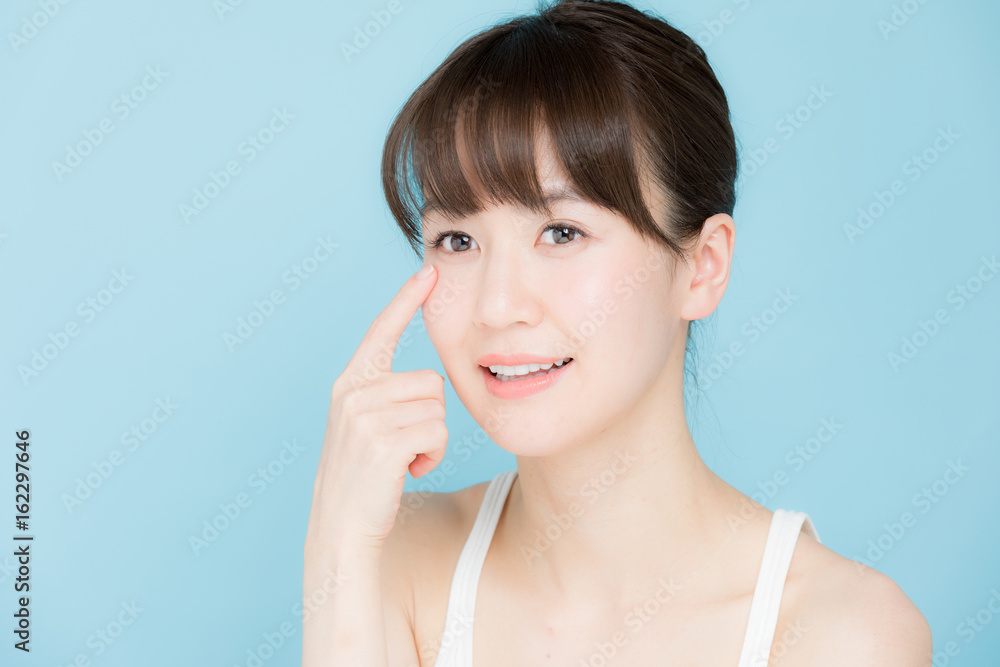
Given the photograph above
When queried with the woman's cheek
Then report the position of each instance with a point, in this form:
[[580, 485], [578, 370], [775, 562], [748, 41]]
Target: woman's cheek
[[439, 313], [586, 298]]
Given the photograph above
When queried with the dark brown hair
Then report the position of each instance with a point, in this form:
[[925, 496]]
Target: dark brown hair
[[622, 92]]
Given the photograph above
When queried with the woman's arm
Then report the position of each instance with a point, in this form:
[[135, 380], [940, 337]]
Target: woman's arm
[[380, 425], [361, 619], [342, 591]]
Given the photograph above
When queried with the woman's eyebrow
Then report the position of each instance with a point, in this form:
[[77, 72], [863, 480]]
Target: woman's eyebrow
[[558, 193], [563, 192]]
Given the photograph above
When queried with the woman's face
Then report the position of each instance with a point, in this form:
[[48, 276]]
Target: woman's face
[[601, 295]]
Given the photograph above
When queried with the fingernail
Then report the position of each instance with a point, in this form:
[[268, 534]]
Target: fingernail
[[424, 272]]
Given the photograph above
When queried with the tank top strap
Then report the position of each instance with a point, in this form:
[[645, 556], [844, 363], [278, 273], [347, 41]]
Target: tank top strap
[[781, 539], [456, 644]]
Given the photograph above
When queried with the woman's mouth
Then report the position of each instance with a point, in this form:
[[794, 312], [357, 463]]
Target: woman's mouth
[[517, 373], [517, 382]]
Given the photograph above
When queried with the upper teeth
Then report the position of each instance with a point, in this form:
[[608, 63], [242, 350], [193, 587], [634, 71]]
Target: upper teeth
[[526, 368]]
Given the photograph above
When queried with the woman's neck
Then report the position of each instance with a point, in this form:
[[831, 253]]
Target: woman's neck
[[601, 520]]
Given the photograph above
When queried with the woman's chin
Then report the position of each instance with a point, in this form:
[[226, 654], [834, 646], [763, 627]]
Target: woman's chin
[[532, 442]]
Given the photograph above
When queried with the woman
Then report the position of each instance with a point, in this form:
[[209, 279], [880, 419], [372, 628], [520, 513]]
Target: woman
[[576, 177]]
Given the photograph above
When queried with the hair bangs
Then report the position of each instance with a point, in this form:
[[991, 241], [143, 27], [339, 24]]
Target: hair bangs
[[467, 138]]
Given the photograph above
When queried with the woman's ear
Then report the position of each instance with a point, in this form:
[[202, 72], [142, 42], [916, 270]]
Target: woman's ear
[[705, 278]]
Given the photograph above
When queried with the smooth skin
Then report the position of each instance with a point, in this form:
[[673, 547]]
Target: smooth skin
[[610, 437], [380, 424]]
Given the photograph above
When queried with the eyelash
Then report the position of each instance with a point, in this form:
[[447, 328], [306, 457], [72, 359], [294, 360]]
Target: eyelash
[[439, 239]]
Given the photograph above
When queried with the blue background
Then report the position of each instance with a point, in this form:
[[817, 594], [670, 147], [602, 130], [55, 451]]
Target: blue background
[[162, 335]]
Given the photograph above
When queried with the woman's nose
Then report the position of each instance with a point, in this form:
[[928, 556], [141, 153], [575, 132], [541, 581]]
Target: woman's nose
[[506, 293]]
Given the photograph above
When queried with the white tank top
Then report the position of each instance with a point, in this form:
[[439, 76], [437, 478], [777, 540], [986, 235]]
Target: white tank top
[[456, 644]]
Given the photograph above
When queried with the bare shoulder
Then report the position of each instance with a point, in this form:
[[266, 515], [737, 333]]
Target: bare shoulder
[[420, 554], [845, 612], [428, 523]]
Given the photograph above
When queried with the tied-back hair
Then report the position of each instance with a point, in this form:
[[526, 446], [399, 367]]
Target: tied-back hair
[[624, 95]]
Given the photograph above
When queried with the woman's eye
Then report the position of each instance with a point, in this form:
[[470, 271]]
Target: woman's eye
[[453, 241], [561, 231]]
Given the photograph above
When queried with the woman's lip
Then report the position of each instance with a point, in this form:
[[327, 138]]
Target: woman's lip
[[538, 363], [516, 360], [514, 389]]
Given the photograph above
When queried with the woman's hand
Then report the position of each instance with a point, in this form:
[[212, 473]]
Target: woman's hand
[[380, 424]]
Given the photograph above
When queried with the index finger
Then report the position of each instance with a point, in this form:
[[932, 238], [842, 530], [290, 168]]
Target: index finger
[[379, 342]]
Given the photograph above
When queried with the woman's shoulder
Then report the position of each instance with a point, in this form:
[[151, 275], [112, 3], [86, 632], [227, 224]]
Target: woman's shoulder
[[431, 526], [432, 521], [845, 612], [422, 550]]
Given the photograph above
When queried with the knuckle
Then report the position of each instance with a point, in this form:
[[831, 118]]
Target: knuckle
[[439, 430], [351, 398], [341, 387], [367, 425], [378, 450], [376, 324]]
